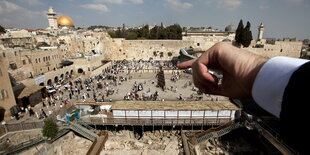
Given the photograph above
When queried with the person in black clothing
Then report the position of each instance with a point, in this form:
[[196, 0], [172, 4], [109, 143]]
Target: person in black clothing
[[43, 113]]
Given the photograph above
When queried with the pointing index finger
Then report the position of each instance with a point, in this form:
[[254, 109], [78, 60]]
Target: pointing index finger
[[186, 64]]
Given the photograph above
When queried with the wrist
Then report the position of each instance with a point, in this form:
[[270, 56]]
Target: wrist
[[257, 64]]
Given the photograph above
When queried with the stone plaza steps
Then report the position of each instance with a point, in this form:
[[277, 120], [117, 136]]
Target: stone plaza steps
[[218, 133], [83, 131]]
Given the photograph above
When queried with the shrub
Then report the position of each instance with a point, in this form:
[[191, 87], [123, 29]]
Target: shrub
[[50, 128]]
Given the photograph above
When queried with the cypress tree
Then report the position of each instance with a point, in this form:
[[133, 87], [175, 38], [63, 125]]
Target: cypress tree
[[239, 32], [2, 29], [246, 35]]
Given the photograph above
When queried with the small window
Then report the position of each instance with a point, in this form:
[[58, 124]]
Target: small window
[[198, 44], [1, 97], [4, 93], [3, 54], [0, 72], [13, 66], [36, 60], [24, 62]]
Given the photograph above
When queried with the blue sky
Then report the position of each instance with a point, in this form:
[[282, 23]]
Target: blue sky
[[282, 18]]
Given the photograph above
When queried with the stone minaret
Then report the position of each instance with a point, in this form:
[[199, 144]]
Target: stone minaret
[[260, 32], [52, 19]]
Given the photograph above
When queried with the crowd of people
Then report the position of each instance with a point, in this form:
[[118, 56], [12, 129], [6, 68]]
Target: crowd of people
[[106, 87]]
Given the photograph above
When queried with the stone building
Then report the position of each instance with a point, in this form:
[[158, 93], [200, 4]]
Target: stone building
[[7, 99], [17, 38]]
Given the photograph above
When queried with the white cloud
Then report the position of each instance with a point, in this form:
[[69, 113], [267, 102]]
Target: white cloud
[[230, 4], [179, 6], [110, 1], [137, 1], [98, 7], [13, 15], [226, 4], [32, 2]]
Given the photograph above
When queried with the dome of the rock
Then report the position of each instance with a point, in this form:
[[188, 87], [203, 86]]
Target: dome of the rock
[[65, 21]]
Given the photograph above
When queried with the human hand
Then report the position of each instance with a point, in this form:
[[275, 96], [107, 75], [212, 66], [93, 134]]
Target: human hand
[[239, 69]]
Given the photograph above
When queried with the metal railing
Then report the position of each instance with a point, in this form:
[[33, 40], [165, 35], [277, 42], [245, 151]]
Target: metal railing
[[218, 133], [12, 127], [83, 131], [156, 120]]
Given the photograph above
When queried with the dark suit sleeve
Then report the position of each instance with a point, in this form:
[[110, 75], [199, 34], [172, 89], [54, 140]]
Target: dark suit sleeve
[[295, 111], [271, 81]]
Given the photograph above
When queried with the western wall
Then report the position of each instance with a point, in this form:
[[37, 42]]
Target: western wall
[[280, 48], [119, 49]]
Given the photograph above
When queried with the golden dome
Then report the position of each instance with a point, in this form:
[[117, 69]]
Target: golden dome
[[65, 21]]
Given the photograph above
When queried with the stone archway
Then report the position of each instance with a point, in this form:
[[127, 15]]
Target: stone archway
[[71, 72], [56, 79], [62, 76], [49, 82]]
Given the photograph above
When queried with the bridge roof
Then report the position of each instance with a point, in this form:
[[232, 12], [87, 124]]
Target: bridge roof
[[174, 105]]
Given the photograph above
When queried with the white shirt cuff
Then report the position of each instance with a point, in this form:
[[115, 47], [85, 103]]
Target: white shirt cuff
[[271, 81]]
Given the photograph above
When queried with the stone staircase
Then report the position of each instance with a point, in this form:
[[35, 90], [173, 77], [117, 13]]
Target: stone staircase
[[218, 133], [85, 125], [82, 131]]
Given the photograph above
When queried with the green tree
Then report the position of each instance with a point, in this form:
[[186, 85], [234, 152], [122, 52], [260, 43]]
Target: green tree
[[50, 128], [119, 33], [239, 32], [144, 33], [162, 34], [112, 34], [157, 32], [131, 36], [174, 31], [2, 30], [154, 32]]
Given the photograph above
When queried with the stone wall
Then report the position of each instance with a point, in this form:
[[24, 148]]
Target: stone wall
[[280, 48], [7, 99], [120, 49], [100, 69], [88, 64], [205, 42]]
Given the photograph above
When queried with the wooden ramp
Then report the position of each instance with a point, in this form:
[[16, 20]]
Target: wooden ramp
[[98, 144]]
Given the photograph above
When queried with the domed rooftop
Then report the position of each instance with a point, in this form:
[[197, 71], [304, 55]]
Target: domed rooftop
[[230, 28], [65, 21]]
